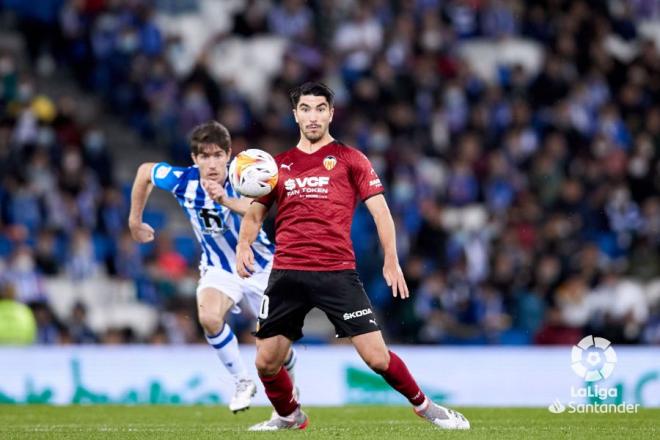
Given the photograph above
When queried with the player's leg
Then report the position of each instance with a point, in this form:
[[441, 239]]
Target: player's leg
[[374, 352], [213, 304], [255, 286], [281, 316], [254, 289], [347, 306], [290, 367], [271, 354]]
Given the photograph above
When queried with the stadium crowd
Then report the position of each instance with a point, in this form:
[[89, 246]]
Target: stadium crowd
[[527, 204]]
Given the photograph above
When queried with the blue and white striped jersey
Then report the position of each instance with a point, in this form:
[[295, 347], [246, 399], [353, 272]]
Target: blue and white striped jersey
[[216, 227]]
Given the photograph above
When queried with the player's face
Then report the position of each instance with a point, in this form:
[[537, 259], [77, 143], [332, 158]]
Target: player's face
[[212, 162], [313, 114]]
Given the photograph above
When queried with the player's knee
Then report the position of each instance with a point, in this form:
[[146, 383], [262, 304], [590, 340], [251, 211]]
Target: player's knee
[[210, 322], [378, 361], [267, 365]]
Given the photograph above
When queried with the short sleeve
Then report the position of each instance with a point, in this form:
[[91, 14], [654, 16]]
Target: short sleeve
[[366, 180], [165, 176], [268, 199], [271, 197]]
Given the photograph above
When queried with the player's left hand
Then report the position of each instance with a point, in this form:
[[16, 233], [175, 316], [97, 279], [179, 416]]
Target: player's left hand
[[214, 190], [394, 278]]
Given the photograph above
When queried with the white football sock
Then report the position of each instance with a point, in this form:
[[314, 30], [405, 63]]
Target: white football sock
[[290, 363], [422, 406], [225, 345]]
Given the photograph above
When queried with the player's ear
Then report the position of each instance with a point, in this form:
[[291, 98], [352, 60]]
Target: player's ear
[[332, 113], [194, 158], [295, 115]]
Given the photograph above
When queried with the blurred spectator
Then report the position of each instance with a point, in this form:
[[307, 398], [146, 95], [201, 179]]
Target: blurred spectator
[[252, 20], [171, 264], [620, 308], [17, 323], [514, 192], [78, 328], [357, 40], [46, 256], [180, 325], [116, 336], [127, 263], [22, 275], [49, 329], [290, 19], [81, 262]]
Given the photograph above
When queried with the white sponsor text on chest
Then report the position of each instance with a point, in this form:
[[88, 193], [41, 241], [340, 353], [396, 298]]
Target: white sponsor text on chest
[[307, 185]]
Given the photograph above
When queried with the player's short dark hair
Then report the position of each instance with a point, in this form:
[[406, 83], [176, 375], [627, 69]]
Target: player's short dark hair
[[209, 133], [311, 88]]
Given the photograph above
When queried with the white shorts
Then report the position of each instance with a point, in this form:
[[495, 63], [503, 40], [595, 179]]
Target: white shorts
[[249, 290]]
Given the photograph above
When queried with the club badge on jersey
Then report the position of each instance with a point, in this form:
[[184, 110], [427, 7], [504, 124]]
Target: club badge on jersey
[[329, 162], [211, 222]]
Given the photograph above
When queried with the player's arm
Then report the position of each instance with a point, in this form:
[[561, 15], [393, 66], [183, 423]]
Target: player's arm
[[386, 233], [239, 205], [142, 186], [250, 226]]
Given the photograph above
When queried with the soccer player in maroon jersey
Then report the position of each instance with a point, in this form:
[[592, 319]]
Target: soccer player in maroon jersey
[[320, 182]]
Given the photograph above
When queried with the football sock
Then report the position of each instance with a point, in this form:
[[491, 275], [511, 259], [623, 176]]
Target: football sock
[[279, 390], [422, 406], [225, 345], [290, 364], [399, 378]]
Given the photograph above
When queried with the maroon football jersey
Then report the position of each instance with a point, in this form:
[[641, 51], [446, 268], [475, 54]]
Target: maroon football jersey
[[316, 195]]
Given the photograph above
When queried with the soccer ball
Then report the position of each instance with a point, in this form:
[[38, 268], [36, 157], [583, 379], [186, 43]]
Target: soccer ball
[[253, 173]]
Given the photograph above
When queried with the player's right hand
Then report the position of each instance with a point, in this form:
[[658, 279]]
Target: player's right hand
[[244, 260], [142, 232], [214, 190]]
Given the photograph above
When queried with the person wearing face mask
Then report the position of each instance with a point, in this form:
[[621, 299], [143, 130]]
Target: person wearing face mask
[[23, 277]]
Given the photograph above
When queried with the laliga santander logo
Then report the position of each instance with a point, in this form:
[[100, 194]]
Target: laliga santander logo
[[593, 358]]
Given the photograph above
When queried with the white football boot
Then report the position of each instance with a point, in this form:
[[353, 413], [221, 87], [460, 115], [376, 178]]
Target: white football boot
[[245, 390], [296, 395], [296, 420], [442, 417]]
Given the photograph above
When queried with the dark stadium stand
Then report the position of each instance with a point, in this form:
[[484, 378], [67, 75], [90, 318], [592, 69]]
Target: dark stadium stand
[[519, 143]]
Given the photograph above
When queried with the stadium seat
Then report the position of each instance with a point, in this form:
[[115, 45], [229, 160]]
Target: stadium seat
[[140, 318]]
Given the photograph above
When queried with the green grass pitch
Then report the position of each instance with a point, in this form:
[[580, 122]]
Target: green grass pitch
[[348, 422]]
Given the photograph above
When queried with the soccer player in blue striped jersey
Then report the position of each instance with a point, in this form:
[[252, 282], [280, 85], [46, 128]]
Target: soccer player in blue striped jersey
[[214, 209]]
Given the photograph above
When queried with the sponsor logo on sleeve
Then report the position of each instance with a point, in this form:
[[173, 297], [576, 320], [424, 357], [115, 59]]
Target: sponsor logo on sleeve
[[162, 171]]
